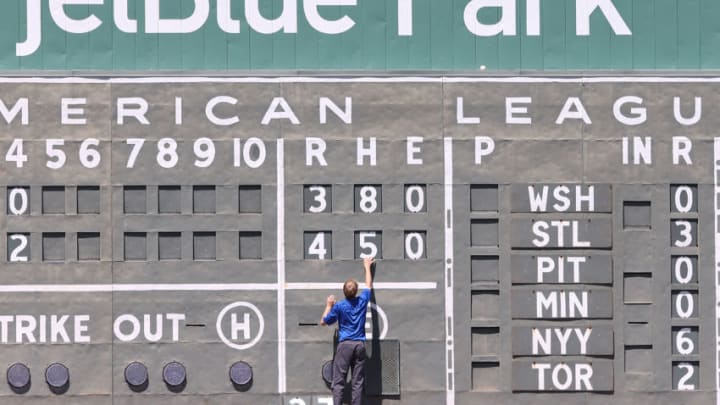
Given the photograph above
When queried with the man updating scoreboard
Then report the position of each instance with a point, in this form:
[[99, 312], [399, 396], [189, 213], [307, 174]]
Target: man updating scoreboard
[[350, 315]]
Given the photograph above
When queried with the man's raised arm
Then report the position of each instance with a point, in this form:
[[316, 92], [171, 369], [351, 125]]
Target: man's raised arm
[[367, 263], [329, 303]]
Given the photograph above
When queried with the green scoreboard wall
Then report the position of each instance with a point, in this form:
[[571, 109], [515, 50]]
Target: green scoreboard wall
[[360, 35]]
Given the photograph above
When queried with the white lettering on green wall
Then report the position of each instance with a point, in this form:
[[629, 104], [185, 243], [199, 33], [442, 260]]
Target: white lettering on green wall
[[287, 19]]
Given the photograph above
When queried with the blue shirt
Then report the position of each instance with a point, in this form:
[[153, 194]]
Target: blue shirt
[[350, 315]]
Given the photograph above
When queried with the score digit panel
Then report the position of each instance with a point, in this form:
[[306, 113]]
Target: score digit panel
[[167, 237]]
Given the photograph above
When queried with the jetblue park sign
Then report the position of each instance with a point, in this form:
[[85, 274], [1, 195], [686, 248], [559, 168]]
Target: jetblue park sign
[[287, 21], [501, 35]]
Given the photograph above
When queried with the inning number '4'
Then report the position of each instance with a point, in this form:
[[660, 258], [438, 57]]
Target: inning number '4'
[[15, 153]]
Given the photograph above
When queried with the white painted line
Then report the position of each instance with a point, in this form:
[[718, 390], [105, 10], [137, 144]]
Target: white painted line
[[449, 276], [398, 79], [83, 288], [282, 370], [646, 79], [377, 286], [194, 79], [91, 288], [716, 165]]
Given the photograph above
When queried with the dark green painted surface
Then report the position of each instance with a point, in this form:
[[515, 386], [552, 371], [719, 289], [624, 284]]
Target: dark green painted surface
[[666, 35]]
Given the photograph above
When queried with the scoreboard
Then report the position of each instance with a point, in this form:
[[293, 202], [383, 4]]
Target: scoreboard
[[537, 239]]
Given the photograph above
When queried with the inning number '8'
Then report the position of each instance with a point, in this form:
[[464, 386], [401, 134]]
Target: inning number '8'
[[167, 156]]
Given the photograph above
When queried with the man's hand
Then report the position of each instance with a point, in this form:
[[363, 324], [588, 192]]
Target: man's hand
[[329, 302], [367, 263]]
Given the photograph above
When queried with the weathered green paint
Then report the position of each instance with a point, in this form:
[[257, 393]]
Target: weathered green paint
[[665, 35]]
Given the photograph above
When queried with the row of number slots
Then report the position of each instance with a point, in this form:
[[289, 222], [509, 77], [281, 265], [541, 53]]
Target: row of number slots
[[684, 300], [213, 209]]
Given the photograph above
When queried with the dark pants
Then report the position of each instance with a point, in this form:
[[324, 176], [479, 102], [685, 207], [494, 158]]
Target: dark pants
[[350, 355]]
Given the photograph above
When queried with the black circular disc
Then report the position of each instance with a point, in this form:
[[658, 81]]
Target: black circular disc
[[174, 374], [327, 372], [18, 376], [57, 375], [136, 374], [241, 373]]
